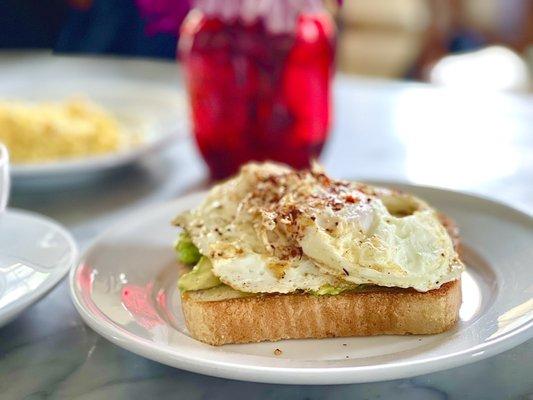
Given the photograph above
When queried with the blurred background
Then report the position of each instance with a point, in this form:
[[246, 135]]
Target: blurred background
[[253, 81], [481, 43], [100, 121]]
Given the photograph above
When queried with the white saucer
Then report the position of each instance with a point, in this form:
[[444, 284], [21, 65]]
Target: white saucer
[[125, 289], [35, 254]]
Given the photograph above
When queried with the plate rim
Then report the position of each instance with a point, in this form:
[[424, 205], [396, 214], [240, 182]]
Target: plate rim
[[13, 310], [94, 163], [300, 375]]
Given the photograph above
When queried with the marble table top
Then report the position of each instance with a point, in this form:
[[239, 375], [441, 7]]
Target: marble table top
[[481, 143]]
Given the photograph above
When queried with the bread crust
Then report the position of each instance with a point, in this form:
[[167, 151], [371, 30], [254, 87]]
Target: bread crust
[[272, 317]]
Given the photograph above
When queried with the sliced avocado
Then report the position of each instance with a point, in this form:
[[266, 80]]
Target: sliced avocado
[[200, 277], [187, 252], [332, 290], [219, 293]]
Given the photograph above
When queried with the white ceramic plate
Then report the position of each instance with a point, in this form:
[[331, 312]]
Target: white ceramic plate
[[35, 254], [153, 111], [125, 289]]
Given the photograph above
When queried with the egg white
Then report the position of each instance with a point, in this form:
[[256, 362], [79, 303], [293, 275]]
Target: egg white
[[378, 237], [251, 273], [412, 251]]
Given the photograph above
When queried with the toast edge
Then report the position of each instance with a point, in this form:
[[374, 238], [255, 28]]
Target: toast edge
[[298, 316]]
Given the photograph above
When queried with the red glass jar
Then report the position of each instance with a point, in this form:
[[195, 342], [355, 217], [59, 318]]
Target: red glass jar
[[259, 89]]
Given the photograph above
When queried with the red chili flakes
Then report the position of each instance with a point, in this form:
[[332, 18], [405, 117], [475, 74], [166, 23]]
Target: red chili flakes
[[351, 199], [321, 178], [336, 206], [296, 252], [294, 213]]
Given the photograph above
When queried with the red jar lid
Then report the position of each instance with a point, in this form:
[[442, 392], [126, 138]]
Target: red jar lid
[[279, 16]]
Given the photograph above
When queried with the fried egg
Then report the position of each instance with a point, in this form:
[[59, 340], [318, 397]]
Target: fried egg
[[411, 251], [275, 230], [233, 236]]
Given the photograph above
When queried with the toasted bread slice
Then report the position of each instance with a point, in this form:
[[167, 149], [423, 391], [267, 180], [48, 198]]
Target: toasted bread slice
[[220, 316]]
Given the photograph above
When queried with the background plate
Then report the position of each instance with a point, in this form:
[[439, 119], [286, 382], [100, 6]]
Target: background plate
[[147, 107], [36, 254]]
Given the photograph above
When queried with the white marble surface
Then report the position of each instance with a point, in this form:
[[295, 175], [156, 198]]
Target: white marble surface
[[481, 143]]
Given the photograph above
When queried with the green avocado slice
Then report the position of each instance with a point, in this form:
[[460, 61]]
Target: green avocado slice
[[200, 277], [186, 251]]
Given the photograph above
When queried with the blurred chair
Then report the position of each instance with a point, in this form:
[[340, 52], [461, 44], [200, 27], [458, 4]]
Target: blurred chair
[[407, 38], [382, 37]]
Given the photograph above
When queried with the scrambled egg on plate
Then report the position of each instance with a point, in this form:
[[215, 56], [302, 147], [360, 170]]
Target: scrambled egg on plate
[[49, 131]]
